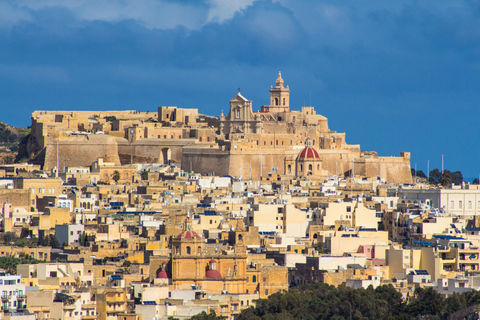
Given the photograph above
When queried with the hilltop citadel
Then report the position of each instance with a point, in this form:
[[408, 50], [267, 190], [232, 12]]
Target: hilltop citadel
[[243, 143]]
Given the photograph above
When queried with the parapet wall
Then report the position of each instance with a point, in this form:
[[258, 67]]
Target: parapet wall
[[82, 150]]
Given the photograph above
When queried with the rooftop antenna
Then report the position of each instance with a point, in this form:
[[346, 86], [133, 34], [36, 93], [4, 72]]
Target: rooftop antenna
[[442, 163]]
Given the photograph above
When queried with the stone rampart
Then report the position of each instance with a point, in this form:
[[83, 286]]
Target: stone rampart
[[81, 150]]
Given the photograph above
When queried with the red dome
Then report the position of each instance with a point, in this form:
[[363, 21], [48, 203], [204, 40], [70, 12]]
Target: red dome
[[213, 274], [163, 275], [188, 235], [309, 153]]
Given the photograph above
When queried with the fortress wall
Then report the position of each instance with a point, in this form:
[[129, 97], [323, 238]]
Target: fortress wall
[[78, 151], [242, 161], [334, 160], [391, 169], [206, 160], [152, 150], [397, 170]]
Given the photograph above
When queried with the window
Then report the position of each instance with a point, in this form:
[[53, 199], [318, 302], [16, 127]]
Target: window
[[469, 204], [266, 292], [254, 279], [188, 250], [452, 204], [460, 204], [310, 168], [349, 209]]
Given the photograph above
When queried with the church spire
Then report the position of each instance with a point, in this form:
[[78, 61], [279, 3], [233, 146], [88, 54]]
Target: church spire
[[279, 82]]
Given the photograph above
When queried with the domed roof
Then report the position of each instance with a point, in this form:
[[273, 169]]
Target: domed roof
[[188, 235], [163, 275], [308, 153], [213, 274]]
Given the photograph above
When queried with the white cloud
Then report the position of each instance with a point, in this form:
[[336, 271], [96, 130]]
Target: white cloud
[[222, 10], [11, 14], [153, 14]]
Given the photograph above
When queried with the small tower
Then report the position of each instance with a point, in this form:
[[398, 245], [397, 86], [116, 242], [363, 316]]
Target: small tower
[[279, 96], [188, 242]]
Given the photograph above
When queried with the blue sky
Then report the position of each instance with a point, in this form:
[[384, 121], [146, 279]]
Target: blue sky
[[394, 75]]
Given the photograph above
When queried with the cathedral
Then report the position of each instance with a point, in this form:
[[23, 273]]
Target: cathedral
[[298, 143]]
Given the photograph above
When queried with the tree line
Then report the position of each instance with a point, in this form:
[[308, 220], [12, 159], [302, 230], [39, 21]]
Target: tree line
[[444, 178], [320, 301]]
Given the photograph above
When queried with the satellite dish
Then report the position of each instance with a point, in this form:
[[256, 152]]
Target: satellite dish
[[235, 147], [132, 131]]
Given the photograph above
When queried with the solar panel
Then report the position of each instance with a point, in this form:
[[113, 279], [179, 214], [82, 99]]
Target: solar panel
[[421, 272], [149, 303], [116, 277]]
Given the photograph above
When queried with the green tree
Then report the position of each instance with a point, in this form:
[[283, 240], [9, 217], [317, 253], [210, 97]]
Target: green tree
[[83, 239], [144, 175], [53, 241], [116, 176], [9, 237], [475, 181], [435, 176], [445, 179]]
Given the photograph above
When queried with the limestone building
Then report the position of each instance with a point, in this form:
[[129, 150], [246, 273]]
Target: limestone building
[[244, 142]]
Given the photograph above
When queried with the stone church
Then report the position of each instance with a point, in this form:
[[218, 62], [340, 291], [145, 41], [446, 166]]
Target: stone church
[[298, 143]]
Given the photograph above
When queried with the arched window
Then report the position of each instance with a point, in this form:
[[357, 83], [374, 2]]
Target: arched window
[[301, 167], [289, 167], [276, 101], [318, 167], [254, 279], [188, 250], [199, 250], [238, 113], [283, 101], [310, 167]]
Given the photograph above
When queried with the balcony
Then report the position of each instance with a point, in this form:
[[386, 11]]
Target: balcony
[[448, 260], [88, 306]]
